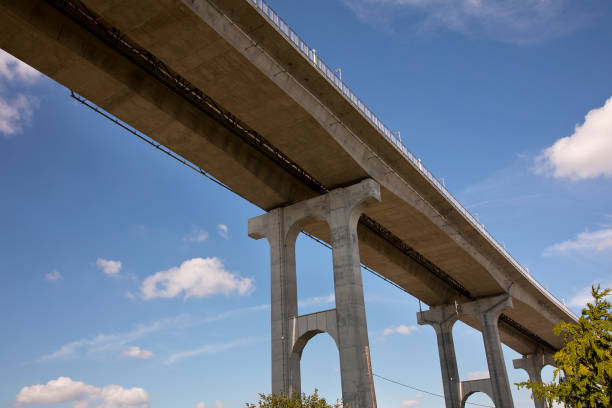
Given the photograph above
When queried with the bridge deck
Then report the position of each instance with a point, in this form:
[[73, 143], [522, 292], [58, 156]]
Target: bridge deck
[[235, 56]]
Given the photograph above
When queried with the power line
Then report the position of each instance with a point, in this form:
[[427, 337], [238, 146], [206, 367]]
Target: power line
[[407, 386], [146, 139], [197, 169], [367, 268], [426, 392]]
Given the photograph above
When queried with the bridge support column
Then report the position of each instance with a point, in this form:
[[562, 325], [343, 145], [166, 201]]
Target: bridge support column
[[442, 319], [487, 311], [283, 303], [533, 364], [341, 209]]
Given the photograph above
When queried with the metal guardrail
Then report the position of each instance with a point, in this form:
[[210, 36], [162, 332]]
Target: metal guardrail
[[311, 55]]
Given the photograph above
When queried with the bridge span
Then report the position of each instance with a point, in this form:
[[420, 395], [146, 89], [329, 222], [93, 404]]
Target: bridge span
[[230, 87]]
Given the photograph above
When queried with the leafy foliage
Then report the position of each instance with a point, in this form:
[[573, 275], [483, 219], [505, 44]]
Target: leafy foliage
[[585, 359], [295, 401]]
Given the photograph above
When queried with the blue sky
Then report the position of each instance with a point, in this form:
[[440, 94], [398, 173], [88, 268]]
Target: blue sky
[[127, 280]]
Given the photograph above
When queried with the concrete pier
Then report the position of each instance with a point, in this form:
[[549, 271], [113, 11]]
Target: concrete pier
[[487, 312], [442, 319], [341, 209], [533, 364]]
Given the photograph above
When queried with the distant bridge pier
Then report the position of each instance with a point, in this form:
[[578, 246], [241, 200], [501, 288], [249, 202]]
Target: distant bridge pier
[[346, 324], [486, 311], [533, 364], [442, 319]]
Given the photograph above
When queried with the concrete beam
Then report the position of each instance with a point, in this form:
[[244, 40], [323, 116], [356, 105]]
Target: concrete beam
[[275, 100], [373, 164], [265, 48], [74, 57], [470, 387], [305, 327]]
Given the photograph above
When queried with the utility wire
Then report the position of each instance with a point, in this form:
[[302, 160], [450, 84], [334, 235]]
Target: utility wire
[[426, 392], [407, 386], [197, 169], [367, 268], [148, 140]]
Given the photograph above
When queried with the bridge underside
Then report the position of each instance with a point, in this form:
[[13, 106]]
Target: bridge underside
[[285, 147]]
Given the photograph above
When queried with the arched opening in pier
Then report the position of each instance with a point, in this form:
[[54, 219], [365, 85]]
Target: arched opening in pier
[[470, 352], [478, 399], [320, 361], [315, 272], [548, 374], [523, 396], [320, 368]]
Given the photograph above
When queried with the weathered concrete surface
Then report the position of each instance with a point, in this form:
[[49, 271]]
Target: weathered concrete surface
[[533, 364], [283, 302], [487, 311], [249, 68], [305, 327], [442, 319], [340, 209], [473, 386]]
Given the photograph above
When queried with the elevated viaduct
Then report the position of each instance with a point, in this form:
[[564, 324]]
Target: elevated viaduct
[[230, 87]]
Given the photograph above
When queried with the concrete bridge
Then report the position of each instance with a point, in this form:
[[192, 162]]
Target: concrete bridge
[[230, 87]]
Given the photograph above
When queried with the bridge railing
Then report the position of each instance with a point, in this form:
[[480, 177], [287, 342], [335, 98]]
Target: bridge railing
[[311, 55]]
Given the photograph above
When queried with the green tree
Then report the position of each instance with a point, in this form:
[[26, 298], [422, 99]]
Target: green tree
[[585, 359], [295, 401]]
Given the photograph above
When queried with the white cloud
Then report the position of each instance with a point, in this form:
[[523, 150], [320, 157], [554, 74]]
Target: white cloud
[[197, 277], [212, 349], [13, 69], [64, 389], [115, 341], [586, 153], [235, 312], [53, 276], [317, 301], [223, 231], [477, 375], [513, 21], [584, 296], [218, 404], [15, 113], [410, 403], [503, 201], [401, 329], [129, 295], [419, 396], [137, 352], [600, 240], [109, 267], [115, 396], [199, 236], [18, 110]]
